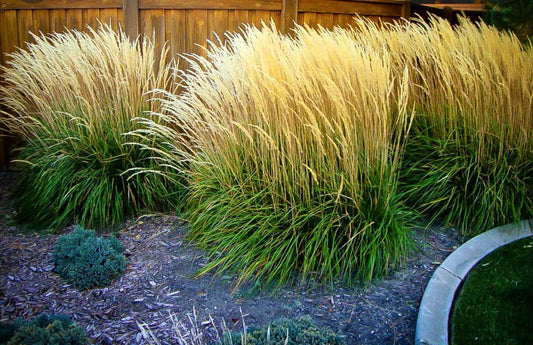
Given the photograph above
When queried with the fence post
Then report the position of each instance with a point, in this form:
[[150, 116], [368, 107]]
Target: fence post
[[289, 14], [406, 9], [130, 10]]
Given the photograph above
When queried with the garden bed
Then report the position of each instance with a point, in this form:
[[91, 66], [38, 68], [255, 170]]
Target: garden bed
[[158, 286]]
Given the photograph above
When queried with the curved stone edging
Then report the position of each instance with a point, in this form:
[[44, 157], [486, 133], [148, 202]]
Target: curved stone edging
[[433, 315]]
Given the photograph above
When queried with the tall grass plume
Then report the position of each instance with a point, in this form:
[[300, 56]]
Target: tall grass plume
[[295, 148], [71, 97]]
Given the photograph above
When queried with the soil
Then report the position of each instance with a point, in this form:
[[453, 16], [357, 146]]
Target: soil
[[158, 288]]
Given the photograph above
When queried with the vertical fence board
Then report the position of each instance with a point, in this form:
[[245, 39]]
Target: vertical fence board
[[74, 19], [9, 32], [41, 22], [217, 24], [309, 18], [343, 20], [261, 17], [24, 26], [153, 24], [325, 20], [175, 26], [240, 18], [8, 43], [110, 16], [57, 20], [198, 24], [130, 10], [289, 15], [231, 20], [275, 16], [2, 51], [90, 18]]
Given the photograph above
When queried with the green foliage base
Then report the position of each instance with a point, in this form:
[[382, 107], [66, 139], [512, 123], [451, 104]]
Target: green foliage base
[[44, 330], [300, 331], [83, 175], [446, 180], [87, 261], [244, 230]]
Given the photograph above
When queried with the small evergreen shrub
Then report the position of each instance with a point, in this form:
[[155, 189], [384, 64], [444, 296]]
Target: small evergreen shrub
[[7, 330], [43, 330], [297, 331], [87, 261]]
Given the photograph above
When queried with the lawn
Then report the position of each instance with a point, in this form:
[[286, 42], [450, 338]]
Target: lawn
[[495, 303]]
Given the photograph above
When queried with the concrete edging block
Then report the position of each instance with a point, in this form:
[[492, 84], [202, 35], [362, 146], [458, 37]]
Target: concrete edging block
[[437, 301]]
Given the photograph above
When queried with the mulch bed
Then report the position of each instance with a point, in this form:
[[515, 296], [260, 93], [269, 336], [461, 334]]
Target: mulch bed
[[158, 287]]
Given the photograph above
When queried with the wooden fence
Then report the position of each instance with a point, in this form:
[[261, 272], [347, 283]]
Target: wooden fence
[[185, 24]]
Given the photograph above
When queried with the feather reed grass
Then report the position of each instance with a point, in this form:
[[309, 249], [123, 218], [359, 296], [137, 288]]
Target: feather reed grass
[[295, 147], [71, 97], [469, 161]]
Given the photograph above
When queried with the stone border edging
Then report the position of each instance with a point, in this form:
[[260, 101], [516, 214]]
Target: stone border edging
[[436, 304]]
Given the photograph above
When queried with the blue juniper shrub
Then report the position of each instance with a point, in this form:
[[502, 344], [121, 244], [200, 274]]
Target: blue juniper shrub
[[87, 261], [43, 330]]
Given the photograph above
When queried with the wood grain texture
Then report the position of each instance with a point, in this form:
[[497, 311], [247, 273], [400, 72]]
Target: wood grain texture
[[24, 26], [217, 24], [175, 28], [41, 21], [111, 16], [8, 43], [131, 17], [265, 5], [310, 19], [74, 19], [275, 16], [59, 4], [9, 33], [91, 18], [240, 18], [57, 20], [385, 8], [289, 15], [198, 23], [325, 20]]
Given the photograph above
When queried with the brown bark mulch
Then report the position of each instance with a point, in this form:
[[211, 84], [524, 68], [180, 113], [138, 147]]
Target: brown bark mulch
[[158, 287]]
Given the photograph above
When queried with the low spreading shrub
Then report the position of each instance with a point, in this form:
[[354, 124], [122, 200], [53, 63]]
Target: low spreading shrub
[[44, 330], [72, 97], [298, 331], [87, 261]]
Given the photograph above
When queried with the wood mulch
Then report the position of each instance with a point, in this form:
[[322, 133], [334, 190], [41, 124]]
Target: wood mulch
[[158, 288]]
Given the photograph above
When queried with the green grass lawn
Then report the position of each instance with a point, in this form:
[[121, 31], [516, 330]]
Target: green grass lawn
[[495, 304]]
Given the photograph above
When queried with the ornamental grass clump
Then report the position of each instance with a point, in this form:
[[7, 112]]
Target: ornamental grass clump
[[72, 97], [295, 147], [469, 160]]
